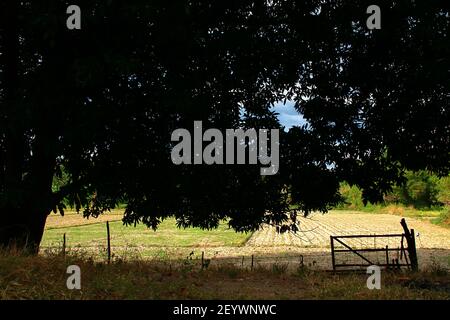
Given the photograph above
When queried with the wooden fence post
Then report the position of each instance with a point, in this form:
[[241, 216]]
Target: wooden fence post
[[251, 268], [414, 262], [203, 259], [64, 245], [109, 241], [387, 257]]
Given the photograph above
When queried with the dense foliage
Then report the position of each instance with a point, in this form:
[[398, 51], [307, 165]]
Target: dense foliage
[[421, 190], [101, 102]]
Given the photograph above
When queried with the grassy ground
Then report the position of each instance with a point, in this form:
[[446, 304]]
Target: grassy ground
[[443, 219], [129, 277], [169, 242], [167, 235], [45, 278], [438, 216], [394, 210]]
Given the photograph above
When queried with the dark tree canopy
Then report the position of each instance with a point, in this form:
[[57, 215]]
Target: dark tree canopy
[[98, 105]]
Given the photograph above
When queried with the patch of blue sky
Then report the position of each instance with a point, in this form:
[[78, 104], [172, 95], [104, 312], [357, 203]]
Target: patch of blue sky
[[287, 115]]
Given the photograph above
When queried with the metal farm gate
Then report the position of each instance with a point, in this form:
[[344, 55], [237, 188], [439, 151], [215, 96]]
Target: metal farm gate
[[391, 251]]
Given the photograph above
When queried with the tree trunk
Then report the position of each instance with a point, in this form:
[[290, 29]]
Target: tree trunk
[[27, 190], [22, 229], [23, 219]]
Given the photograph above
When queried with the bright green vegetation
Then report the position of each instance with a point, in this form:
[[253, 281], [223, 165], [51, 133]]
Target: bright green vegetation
[[421, 191], [394, 210], [167, 235], [443, 219], [422, 196]]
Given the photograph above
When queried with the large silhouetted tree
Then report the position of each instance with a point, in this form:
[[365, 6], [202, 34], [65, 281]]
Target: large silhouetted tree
[[98, 105]]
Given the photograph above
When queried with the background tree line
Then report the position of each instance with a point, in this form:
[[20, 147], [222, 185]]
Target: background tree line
[[421, 190]]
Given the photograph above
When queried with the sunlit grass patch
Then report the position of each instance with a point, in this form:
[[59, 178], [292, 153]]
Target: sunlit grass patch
[[167, 235]]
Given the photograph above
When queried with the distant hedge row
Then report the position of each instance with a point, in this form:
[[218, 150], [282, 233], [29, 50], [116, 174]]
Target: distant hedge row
[[421, 191]]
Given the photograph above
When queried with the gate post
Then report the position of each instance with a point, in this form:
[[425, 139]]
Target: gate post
[[411, 240], [332, 253], [414, 262]]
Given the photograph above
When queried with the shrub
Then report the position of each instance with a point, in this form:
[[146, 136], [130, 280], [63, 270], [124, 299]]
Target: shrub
[[420, 190], [444, 218], [352, 196], [444, 190]]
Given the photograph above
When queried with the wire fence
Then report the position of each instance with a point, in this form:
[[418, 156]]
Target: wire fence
[[119, 245]]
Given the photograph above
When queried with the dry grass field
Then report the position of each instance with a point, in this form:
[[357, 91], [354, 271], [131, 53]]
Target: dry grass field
[[45, 278], [73, 219]]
